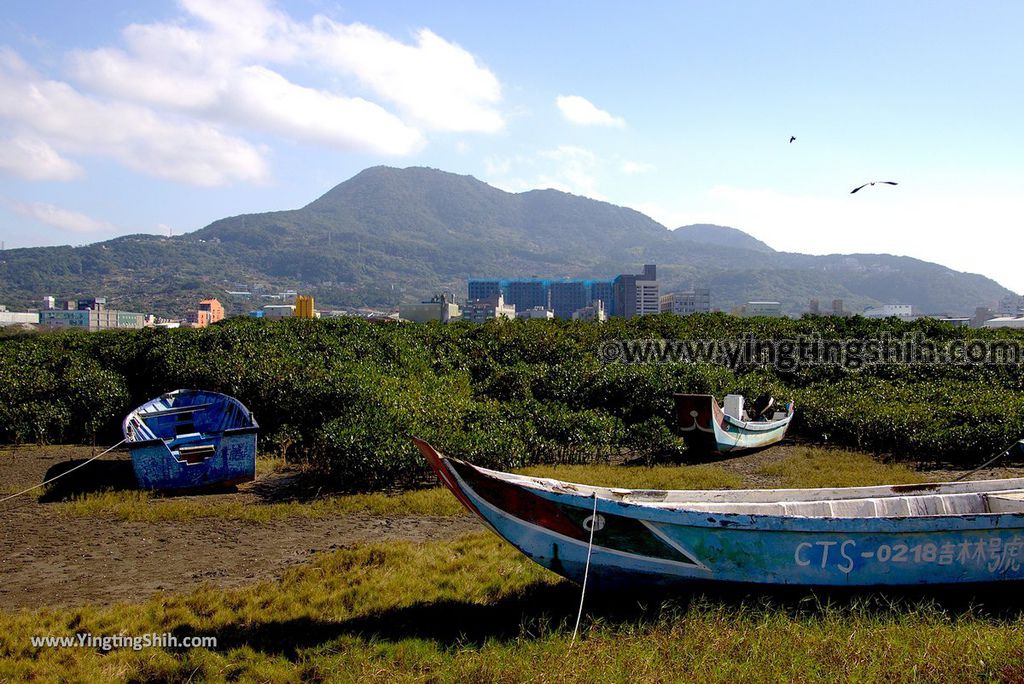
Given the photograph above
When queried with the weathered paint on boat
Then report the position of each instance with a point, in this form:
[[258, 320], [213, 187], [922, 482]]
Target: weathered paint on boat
[[657, 537], [707, 429], [190, 439]]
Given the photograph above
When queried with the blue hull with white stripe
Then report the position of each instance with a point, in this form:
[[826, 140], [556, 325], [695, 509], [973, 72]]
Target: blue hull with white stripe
[[900, 535]]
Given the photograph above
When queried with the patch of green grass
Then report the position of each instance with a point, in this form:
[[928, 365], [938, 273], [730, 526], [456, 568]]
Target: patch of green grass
[[641, 477], [132, 505], [142, 506], [476, 610], [810, 467]]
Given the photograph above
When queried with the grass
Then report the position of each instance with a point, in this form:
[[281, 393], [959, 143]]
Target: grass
[[641, 477], [139, 506], [810, 467], [476, 610]]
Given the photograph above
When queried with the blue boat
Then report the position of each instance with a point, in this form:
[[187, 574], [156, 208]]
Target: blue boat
[[708, 428], [191, 439], [891, 535]]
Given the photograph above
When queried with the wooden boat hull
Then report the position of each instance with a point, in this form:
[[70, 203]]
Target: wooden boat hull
[[220, 452], [637, 545], [707, 430]]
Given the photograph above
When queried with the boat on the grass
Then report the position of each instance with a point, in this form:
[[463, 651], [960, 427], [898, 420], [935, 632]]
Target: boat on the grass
[[191, 439], [708, 428], [890, 535]]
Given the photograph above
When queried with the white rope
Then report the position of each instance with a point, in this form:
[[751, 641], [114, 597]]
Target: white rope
[[586, 571], [80, 465]]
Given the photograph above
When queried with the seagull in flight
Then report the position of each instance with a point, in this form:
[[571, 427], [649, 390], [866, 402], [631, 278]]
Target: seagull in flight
[[792, 138], [872, 183]]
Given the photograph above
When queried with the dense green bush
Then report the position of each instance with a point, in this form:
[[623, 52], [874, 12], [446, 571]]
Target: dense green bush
[[344, 395]]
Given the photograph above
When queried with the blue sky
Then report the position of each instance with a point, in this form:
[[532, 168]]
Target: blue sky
[[122, 117]]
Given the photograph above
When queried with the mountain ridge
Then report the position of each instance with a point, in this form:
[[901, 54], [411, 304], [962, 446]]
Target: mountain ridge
[[388, 235]]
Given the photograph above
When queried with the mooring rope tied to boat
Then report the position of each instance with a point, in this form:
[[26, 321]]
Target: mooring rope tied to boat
[[992, 460], [586, 570], [71, 470]]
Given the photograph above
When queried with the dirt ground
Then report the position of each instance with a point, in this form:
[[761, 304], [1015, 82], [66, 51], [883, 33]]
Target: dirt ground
[[47, 558]]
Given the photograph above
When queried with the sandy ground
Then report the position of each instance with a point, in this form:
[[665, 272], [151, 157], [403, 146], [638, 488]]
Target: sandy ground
[[48, 558]]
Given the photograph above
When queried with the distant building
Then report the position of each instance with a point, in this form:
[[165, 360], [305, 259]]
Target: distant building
[[275, 312], [480, 310], [1011, 305], [536, 312], [440, 308], [92, 304], [17, 317], [569, 296], [686, 303], [762, 309], [209, 311], [982, 314], [304, 307], [636, 295], [1005, 322], [904, 311], [91, 319], [814, 308], [593, 312], [626, 295], [955, 321], [837, 308], [49, 303]]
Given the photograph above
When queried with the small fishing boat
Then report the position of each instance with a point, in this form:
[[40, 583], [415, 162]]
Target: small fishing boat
[[856, 536], [708, 428], [191, 439]]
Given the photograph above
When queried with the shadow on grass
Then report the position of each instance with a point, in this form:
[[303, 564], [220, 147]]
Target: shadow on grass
[[542, 609], [103, 476], [98, 476]]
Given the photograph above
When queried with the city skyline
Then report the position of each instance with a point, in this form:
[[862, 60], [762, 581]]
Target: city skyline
[[167, 116]]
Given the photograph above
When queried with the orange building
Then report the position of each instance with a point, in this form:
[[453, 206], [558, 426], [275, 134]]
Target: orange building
[[210, 311]]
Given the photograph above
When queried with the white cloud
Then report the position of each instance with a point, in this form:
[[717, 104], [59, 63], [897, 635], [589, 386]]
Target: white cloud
[[434, 82], [633, 168], [580, 110], [203, 70], [62, 219], [575, 171], [33, 159], [186, 151]]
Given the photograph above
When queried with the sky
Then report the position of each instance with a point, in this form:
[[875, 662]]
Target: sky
[[160, 117]]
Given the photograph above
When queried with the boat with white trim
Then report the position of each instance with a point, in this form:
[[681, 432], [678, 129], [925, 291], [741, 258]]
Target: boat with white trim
[[890, 535], [708, 428]]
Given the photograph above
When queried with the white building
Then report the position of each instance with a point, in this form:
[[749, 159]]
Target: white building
[[439, 308], [273, 312], [17, 317], [594, 312], [904, 311], [686, 303], [480, 310], [1004, 322], [762, 309], [647, 299], [536, 312]]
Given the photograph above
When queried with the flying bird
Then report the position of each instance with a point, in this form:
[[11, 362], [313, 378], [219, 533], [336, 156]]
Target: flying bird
[[792, 138], [872, 183]]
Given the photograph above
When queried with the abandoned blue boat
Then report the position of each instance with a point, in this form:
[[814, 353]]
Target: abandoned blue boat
[[891, 535], [708, 428], [191, 439]]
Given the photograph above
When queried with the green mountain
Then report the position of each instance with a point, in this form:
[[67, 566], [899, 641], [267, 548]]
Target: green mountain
[[389, 235]]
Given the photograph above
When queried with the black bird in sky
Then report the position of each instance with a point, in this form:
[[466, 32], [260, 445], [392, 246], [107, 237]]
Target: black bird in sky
[[872, 183], [792, 138]]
